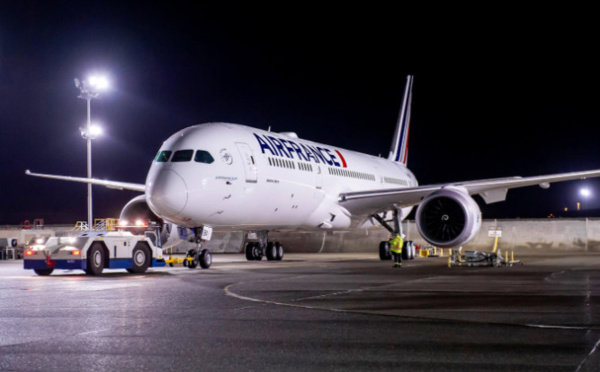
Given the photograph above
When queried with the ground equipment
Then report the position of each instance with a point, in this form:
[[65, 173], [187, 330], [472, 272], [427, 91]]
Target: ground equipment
[[93, 252], [478, 258]]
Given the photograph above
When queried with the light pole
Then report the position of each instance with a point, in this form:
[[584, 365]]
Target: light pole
[[90, 89]]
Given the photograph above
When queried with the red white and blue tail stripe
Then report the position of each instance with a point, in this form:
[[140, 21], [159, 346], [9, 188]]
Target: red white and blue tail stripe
[[399, 150]]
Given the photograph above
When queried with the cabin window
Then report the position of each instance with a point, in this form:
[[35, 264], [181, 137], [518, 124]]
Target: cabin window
[[182, 156], [203, 157], [163, 156]]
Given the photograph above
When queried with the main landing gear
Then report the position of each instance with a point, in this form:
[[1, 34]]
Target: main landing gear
[[258, 246], [199, 256], [408, 250]]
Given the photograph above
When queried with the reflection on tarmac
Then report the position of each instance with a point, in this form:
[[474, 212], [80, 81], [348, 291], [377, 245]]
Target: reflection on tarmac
[[325, 311]]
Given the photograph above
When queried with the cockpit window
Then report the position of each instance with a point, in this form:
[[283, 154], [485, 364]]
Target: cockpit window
[[182, 156], [203, 157], [163, 156]]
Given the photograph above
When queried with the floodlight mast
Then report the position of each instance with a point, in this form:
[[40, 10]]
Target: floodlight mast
[[89, 90]]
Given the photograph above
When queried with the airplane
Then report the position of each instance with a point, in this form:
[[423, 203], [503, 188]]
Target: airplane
[[225, 176]]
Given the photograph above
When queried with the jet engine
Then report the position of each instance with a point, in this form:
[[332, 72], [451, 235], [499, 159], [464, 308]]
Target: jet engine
[[137, 210], [448, 218]]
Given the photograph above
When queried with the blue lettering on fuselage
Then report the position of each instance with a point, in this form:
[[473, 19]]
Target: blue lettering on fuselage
[[292, 150], [264, 145], [317, 154], [332, 157], [279, 146], [298, 151], [323, 155], [309, 154]]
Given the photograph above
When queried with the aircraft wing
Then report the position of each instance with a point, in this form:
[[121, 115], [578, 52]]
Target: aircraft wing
[[94, 181], [491, 190]]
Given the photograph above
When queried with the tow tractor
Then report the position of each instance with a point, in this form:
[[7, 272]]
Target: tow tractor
[[134, 248], [93, 252]]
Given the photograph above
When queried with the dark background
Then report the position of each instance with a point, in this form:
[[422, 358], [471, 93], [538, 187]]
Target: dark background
[[498, 92]]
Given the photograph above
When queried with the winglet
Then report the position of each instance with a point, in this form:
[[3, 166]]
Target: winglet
[[399, 150]]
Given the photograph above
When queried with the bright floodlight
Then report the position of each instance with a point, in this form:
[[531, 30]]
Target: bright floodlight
[[91, 133], [95, 131], [585, 192], [98, 82], [90, 89]]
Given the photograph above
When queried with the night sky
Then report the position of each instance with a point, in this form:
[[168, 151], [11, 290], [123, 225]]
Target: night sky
[[491, 98]]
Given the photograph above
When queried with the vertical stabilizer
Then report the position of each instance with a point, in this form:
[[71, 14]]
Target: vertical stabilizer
[[399, 150]]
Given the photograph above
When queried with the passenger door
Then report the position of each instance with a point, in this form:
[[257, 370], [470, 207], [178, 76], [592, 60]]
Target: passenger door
[[249, 162]]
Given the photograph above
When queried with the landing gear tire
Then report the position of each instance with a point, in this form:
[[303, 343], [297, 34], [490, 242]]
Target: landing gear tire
[[271, 251], [141, 260], [384, 251], [409, 247], [279, 251], [405, 252], [257, 252], [248, 249], [205, 259], [95, 260], [43, 272], [253, 252]]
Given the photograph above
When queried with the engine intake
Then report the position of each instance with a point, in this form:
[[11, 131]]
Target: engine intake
[[448, 218], [138, 209]]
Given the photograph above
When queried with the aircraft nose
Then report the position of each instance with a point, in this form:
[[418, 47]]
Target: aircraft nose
[[167, 194]]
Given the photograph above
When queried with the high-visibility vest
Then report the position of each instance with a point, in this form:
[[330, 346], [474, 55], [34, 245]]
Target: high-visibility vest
[[397, 244]]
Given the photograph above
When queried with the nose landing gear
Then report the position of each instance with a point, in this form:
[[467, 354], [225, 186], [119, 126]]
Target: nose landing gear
[[193, 258], [199, 256]]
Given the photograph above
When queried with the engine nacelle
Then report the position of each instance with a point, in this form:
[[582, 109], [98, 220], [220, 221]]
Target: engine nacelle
[[138, 209], [448, 218]]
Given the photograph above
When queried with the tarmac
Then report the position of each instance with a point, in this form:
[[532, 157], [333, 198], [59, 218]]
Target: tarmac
[[326, 312]]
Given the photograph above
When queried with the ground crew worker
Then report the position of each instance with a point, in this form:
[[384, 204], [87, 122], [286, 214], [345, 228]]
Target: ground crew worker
[[396, 249]]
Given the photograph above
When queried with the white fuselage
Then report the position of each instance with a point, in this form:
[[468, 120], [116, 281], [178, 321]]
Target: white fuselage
[[234, 176]]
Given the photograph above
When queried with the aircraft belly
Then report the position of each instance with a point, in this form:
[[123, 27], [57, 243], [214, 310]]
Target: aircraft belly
[[250, 204]]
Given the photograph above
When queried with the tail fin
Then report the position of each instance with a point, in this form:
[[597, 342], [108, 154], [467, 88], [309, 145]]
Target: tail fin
[[399, 150]]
